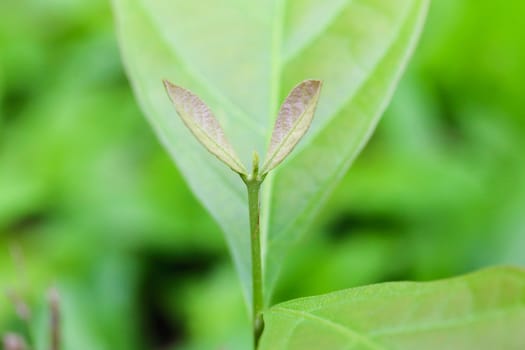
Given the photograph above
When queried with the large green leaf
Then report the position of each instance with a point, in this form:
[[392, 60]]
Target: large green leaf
[[242, 58], [483, 310]]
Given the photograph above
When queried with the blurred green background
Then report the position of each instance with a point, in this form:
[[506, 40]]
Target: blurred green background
[[99, 210]]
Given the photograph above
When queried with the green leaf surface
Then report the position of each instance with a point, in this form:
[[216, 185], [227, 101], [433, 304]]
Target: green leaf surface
[[242, 58], [483, 310], [293, 121]]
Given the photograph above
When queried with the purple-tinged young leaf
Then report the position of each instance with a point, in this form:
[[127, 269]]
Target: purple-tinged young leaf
[[203, 124], [295, 117]]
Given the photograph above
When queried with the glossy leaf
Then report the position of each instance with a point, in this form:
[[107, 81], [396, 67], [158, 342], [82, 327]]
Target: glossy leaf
[[204, 125], [294, 119], [242, 57], [483, 310]]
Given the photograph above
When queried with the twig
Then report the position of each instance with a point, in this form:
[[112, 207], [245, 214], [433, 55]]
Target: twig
[[54, 308], [16, 295]]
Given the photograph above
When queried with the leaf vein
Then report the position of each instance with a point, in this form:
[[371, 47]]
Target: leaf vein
[[463, 322], [342, 329]]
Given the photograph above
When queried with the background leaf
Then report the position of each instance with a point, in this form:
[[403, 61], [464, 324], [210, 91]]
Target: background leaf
[[483, 310], [294, 119], [358, 48], [347, 114]]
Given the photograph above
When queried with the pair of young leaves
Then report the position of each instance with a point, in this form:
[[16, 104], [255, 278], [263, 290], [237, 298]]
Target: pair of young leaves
[[293, 120]]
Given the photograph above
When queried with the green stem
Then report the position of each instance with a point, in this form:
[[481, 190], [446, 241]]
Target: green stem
[[253, 185]]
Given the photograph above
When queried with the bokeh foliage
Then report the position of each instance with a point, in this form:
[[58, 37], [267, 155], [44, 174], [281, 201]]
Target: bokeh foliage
[[99, 210]]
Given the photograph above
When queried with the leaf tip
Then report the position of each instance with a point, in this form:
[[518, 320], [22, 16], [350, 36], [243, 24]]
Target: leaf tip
[[314, 84], [169, 86], [166, 83]]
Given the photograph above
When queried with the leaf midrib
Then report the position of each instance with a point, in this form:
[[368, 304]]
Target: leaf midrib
[[342, 329], [415, 328], [275, 86], [220, 147]]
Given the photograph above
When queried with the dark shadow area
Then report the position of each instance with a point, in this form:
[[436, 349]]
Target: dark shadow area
[[164, 327], [350, 224]]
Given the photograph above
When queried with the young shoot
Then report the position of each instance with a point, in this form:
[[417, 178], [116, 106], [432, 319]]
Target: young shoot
[[294, 119]]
